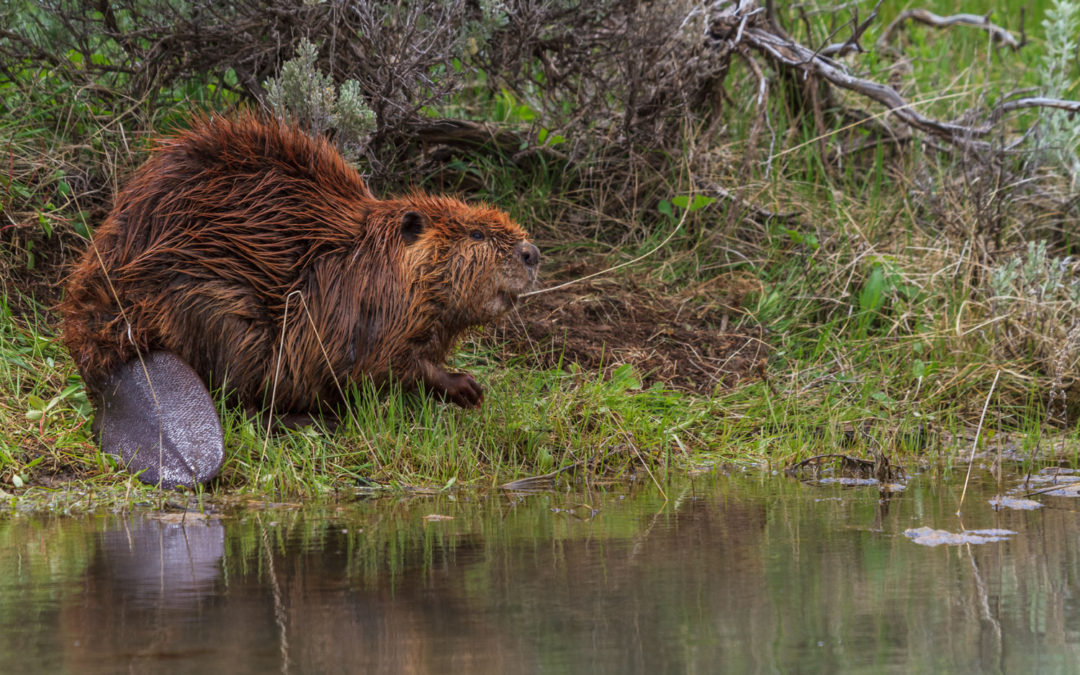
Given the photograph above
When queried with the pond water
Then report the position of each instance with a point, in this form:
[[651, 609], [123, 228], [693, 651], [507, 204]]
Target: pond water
[[733, 573]]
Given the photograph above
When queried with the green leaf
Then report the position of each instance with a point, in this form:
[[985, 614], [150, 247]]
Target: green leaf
[[810, 239], [80, 226], [664, 207], [37, 408], [700, 202], [624, 378], [44, 222], [872, 296]]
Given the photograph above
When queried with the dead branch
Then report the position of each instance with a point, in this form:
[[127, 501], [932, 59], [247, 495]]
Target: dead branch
[[738, 25], [999, 35], [1038, 102], [794, 55], [852, 467]]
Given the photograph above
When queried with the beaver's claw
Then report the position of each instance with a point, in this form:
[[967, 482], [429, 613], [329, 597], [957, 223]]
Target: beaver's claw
[[461, 388], [464, 390]]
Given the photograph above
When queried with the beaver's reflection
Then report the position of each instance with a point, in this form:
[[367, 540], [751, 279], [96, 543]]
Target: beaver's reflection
[[143, 598], [284, 591], [166, 562]]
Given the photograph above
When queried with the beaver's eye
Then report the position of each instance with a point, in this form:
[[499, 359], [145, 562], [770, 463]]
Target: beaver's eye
[[477, 235]]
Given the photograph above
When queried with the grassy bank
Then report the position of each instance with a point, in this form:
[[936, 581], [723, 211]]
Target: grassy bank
[[828, 287]]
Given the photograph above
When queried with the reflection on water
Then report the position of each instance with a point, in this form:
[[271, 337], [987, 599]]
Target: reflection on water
[[733, 574], [167, 565]]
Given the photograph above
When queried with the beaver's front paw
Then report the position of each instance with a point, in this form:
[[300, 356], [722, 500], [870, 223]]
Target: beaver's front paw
[[463, 389]]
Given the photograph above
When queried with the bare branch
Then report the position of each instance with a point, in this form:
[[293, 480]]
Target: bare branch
[[998, 34], [1038, 102], [797, 56], [471, 135], [734, 26]]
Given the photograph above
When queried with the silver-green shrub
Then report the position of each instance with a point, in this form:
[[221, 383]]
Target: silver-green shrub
[[1060, 131], [303, 94]]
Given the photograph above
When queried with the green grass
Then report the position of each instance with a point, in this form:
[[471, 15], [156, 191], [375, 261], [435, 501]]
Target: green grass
[[874, 301], [532, 422]]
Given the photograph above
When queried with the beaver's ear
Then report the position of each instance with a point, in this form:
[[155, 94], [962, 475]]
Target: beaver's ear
[[413, 225]]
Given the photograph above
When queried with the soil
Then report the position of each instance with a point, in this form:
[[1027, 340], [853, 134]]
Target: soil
[[694, 338]]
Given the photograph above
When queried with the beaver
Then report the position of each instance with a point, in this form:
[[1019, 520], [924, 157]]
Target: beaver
[[247, 255]]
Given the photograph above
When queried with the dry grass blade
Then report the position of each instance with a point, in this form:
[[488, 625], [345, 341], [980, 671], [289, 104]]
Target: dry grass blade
[[975, 443]]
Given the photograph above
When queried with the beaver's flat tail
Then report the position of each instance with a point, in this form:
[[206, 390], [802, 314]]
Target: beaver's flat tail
[[161, 422]]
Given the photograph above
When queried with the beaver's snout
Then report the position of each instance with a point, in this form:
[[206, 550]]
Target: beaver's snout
[[528, 254]]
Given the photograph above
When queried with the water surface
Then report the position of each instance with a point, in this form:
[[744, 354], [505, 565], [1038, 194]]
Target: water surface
[[733, 573]]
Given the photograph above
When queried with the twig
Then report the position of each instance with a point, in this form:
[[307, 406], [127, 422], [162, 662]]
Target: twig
[[757, 214], [531, 482], [138, 353], [337, 383], [975, 443], [736, 27], [478, 135], [998, 34], [852, 43], [273, 388], [849, 462], [1037, 102]]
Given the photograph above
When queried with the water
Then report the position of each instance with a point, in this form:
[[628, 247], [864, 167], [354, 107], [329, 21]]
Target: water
[[733, 574]]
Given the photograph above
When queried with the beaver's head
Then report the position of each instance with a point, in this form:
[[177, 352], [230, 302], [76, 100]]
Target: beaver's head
[[475, 259]]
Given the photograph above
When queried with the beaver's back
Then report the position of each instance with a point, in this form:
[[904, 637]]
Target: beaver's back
[[206, 243]]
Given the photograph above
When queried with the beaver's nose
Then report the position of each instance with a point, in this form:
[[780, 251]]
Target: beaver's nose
[[529, 254]]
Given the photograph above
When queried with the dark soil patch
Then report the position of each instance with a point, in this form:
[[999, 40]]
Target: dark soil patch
[[31, 290], [682, 337]]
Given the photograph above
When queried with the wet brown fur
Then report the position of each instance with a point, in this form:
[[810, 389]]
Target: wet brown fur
[[232, 220]]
